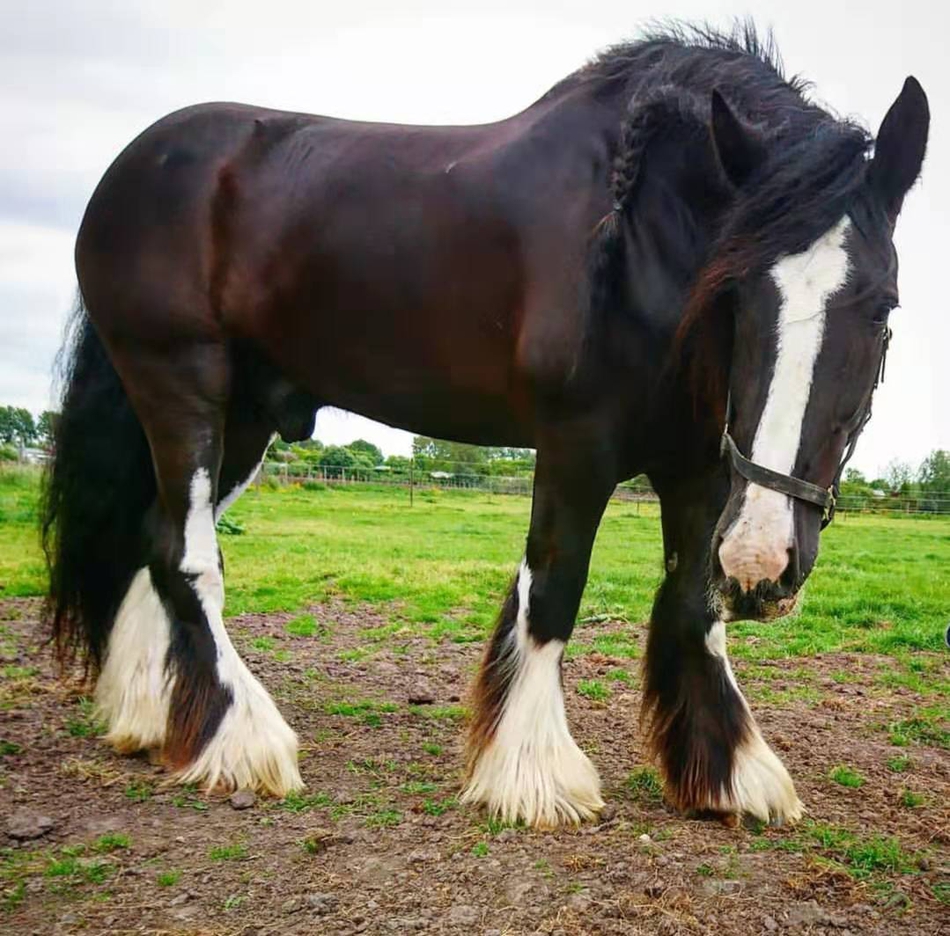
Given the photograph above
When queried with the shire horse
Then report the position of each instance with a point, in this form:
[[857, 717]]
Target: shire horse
[[673, 263]]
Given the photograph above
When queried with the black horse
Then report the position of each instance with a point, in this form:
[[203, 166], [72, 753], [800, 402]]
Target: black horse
[[672, 227]]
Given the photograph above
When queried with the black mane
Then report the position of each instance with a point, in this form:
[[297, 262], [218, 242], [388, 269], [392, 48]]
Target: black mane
[[815, 161], [815, 164]]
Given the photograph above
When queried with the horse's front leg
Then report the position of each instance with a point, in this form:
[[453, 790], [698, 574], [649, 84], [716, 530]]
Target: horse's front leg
[[522, 761], [712, 754]]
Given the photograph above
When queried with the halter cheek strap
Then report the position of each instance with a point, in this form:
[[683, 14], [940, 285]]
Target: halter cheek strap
[[826, 498], [775, 480]]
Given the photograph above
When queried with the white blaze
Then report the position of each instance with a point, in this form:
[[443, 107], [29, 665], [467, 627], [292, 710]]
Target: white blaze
[[532, 769], [755, 548]]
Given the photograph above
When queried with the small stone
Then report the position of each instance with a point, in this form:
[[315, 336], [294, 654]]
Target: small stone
[[421, 694], [243, 799], [923, 863], [719, 888], [770, 923], [608, 813], [517, 892], [422, 856], [291, 905], [26, 824], [806, 914], [323, 903], [179, 899], [579, 902], [644, 839], [464, 915]]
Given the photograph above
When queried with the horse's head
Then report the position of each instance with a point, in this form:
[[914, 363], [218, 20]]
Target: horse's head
[[809, 335]]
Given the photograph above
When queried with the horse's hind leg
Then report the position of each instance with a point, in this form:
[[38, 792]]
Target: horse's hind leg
[[222, 729], [712, 753], [522, 761]]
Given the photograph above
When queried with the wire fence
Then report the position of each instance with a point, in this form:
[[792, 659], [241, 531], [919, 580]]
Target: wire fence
[[414, 477]]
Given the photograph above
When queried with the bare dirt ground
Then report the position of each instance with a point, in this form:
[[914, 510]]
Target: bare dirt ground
[[377, 843]]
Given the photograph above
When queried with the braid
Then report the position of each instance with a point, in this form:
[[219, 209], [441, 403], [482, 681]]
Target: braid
[[658, 109]]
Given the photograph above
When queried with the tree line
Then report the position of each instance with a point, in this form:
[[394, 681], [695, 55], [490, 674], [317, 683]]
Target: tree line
[[932, 476], [463, 462], [18, 429]]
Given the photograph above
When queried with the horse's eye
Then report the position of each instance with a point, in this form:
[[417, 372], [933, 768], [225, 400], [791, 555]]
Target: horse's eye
[[883, 310]]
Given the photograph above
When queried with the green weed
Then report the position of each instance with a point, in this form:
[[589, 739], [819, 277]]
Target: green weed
[[846, 777], [593, 689]]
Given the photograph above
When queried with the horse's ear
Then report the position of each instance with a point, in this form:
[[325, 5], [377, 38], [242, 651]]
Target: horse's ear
[[900, 147], [739, 148]]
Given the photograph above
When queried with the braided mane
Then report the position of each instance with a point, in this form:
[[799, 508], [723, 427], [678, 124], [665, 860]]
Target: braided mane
[[814, 163]]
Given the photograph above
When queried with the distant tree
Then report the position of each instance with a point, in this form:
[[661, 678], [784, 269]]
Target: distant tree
[[7, 424], [853, 476], [898, 475], [934, 473], [453, 457], [313, 445], [45, 427], [371, 453], [17, 426], [337, 457]]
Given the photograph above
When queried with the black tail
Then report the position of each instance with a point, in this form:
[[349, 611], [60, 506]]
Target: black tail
[[99, 486]]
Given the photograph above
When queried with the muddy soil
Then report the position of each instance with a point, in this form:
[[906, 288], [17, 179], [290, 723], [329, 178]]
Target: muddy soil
[[378, 844]]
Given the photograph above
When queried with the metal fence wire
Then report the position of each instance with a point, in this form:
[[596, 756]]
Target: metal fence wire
[[414, 477]]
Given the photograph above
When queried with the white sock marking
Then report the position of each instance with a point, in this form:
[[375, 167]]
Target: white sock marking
[[134, 688], [253, 747], [532, 769], [761, 785], [755, 548]]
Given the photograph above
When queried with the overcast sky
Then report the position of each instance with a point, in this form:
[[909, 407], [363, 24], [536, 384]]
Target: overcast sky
[[81, 77]]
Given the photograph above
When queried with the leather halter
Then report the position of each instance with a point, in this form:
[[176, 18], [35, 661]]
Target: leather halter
[[826, 498]]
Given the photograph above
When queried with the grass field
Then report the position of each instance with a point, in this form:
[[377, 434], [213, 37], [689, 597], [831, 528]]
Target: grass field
[[344, 600], [440, 567]]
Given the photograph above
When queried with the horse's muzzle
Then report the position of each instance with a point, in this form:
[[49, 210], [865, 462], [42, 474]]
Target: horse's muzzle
[[768, 601]]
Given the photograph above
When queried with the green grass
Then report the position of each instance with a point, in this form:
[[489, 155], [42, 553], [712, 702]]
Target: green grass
[[235, 852], [881, 585], [645, 784], [593, 689], [928, 726], [846, 777], [84, 723], [864, 857], [139, 791], [912, 800], [899, 764], [111, 842], [440, 569], [303, 626], [168, 878]]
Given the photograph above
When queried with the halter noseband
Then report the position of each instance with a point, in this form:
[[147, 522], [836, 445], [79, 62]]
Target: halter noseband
[[826, 498]]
